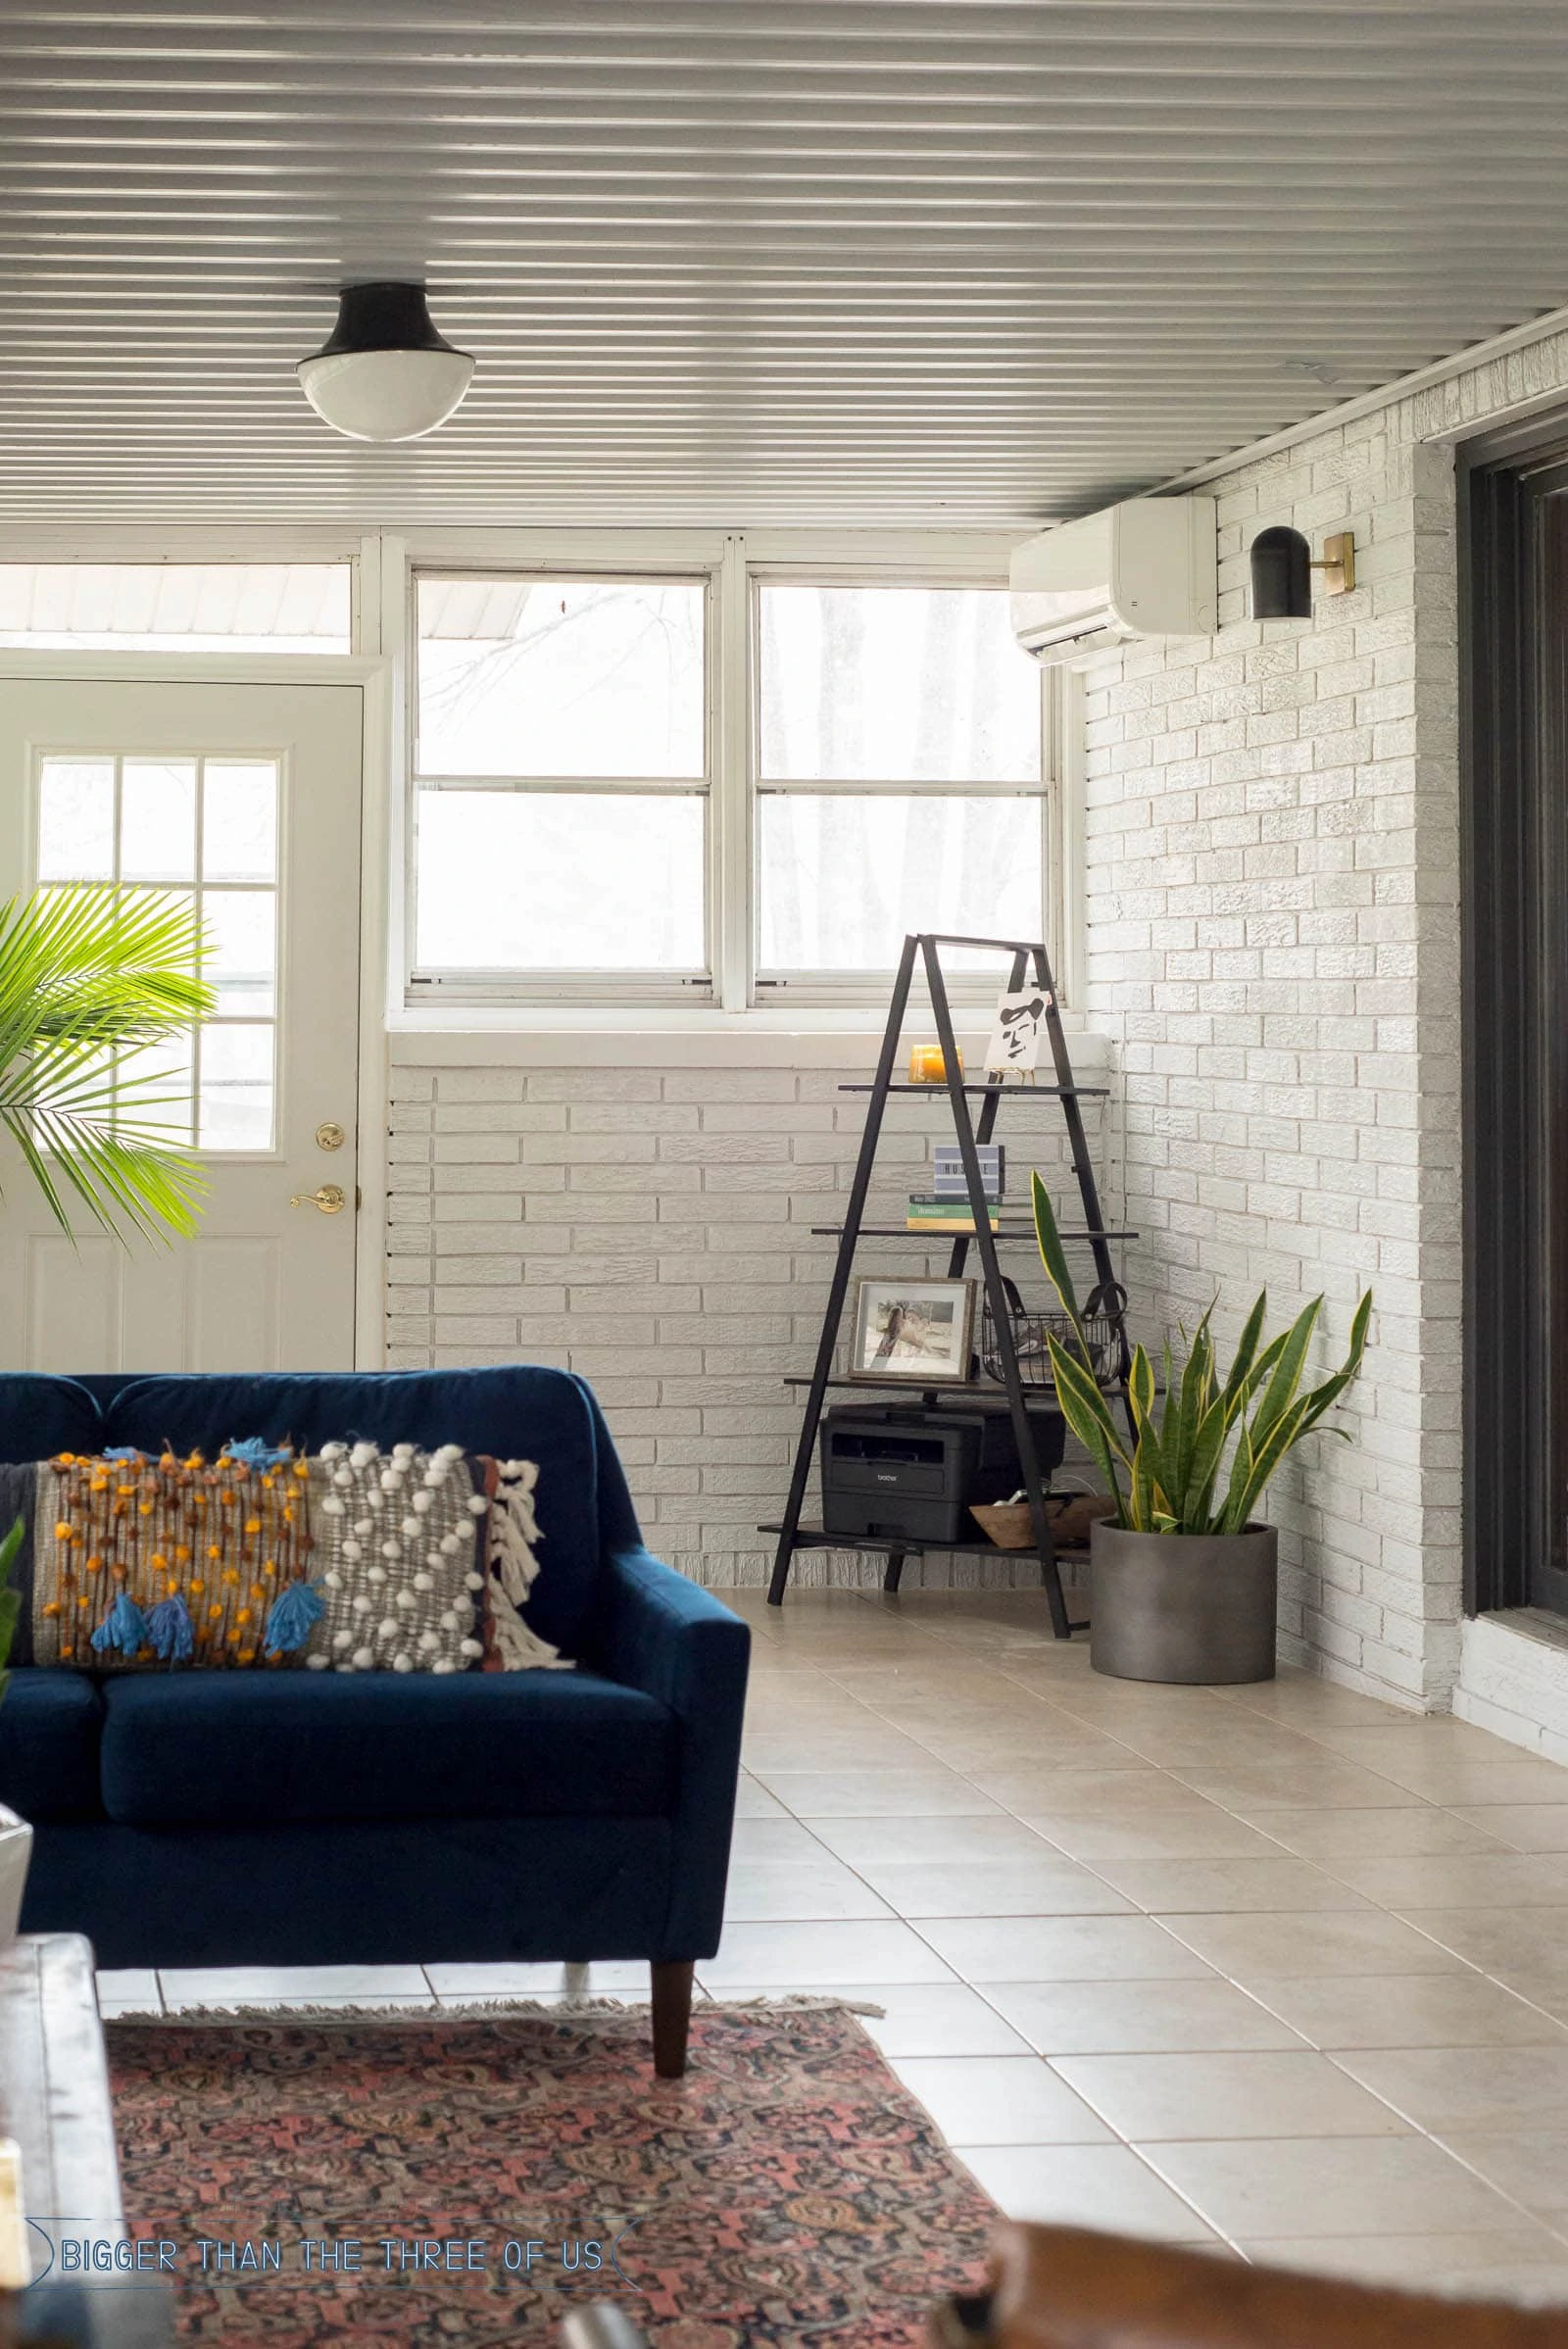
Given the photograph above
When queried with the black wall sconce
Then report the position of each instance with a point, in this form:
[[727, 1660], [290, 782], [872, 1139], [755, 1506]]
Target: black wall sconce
[[1282, 568]]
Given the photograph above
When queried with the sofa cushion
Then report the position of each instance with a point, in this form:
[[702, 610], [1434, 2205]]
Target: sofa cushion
[[264, 1749], [521, 1412], [50, 1727], [40, 1415]]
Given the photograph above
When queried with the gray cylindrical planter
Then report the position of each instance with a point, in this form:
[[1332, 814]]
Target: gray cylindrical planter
[[1183, 1606]]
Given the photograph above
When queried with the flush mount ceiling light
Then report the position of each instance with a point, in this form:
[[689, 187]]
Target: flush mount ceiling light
[[1282, 572], [384, 374]]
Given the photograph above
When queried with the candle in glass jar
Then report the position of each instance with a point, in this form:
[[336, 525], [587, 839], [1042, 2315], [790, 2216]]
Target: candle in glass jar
[[927, 1066]]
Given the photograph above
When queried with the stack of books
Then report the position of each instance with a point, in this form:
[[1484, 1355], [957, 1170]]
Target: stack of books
[[947, 1207]]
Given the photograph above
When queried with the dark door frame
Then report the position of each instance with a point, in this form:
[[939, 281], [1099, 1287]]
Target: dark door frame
[[1513, 706]]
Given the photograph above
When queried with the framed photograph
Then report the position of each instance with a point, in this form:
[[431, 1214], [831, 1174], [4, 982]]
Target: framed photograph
[[1014, 1046], [919, 1330]]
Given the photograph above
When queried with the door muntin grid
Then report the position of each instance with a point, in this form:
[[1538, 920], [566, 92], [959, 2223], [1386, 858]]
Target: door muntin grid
[[203, 827]]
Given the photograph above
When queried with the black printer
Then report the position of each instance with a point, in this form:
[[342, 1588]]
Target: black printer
[[910, 1472]]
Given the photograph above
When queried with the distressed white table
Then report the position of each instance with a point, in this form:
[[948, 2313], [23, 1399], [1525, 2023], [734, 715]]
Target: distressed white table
[[54, 2101]]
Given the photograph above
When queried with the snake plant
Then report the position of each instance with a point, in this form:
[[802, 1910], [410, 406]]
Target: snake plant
[[1169, 1476], [91, 979]]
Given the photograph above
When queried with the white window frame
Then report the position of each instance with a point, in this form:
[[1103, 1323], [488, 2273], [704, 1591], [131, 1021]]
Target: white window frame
[[587, 988], [731, 562], [816, 989]]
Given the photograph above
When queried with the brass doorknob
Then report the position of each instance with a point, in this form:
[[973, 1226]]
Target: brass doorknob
[[331, 1198]]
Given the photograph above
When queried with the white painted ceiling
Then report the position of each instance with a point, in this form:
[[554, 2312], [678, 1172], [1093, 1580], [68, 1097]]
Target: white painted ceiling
[[964, 262]]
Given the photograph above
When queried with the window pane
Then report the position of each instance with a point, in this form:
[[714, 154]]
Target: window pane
[[560, 881], [158, 819], [154, 1088], [76, 819], [241, 924], [841, 877], [239, 820], [560, 677], [236, 1088], [894, 685], [178, 607]]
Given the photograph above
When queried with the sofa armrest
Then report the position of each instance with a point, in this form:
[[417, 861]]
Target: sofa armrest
[[671, 1638]]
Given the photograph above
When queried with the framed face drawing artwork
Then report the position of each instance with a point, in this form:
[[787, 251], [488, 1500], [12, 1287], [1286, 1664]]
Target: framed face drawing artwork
[[1014, 1046]]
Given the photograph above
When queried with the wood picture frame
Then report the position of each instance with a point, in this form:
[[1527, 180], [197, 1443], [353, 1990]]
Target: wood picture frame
[[917, 1331]]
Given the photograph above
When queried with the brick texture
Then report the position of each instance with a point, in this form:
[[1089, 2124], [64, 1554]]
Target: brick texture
[[1273, 948], [651, 1229]]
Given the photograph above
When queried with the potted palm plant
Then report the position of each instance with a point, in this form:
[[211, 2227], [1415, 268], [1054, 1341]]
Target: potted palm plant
[[94, 981], [1184, 1579]]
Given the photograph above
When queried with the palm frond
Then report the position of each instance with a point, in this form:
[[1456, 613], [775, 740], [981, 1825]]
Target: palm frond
[[90, 977]]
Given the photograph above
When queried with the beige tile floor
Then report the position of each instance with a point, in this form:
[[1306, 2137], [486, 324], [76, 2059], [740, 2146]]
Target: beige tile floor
[[1280, 1970]]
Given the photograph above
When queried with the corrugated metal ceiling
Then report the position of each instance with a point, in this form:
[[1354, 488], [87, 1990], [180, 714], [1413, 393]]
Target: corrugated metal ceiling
[[749, 261]]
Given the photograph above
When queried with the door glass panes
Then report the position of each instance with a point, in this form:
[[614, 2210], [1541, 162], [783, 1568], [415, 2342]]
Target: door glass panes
[[158, 819], [178, 827], [242, 927], [561, 678], [76, 820], [561, 881], [234, 1094], [239, 819]]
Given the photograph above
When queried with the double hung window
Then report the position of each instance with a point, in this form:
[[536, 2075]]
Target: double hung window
[[706, 787]]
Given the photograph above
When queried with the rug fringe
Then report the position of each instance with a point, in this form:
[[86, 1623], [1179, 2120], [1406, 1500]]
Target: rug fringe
[[489, 2010]]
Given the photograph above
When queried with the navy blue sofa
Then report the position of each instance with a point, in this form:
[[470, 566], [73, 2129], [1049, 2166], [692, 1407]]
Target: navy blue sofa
[[214, 1819]]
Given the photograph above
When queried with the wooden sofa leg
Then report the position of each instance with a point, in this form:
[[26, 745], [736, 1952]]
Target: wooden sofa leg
[[673, 2013]]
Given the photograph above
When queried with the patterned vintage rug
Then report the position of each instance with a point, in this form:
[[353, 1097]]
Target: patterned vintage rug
[[456, 2179]]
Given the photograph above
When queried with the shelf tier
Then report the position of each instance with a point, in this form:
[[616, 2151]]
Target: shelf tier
[[986, 1395], [900, 1231], [813, 1537], [1028, 1093]]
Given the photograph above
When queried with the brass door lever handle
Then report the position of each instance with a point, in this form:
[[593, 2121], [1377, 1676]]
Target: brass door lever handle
[[331, 1198]]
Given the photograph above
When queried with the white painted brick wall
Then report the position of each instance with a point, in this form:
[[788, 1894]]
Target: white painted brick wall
[[651, 1228], [1513, 1679], [1272, 831]]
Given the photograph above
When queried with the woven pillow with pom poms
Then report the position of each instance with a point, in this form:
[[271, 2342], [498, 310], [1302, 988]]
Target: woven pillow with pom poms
[[346, 1559]]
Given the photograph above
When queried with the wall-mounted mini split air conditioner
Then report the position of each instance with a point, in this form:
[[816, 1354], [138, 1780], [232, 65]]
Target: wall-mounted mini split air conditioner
[[1144, 568]]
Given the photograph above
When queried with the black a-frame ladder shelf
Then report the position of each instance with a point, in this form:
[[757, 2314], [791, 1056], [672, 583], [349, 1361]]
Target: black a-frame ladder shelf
[[1030, 966]]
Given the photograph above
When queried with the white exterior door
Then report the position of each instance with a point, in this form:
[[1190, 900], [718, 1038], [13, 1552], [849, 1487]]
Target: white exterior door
[[248, 796]]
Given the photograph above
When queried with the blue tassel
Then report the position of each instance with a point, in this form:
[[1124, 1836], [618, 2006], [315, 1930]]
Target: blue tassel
[[254, 1452], [293, 1617], [169, 1628], [122, 1451], [123, 1626]]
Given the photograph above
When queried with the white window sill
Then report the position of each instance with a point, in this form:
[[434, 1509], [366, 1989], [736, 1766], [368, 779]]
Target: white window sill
[[600, 1038]]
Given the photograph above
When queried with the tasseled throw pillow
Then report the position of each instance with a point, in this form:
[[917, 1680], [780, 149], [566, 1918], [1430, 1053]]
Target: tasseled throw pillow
[[347, 1559]]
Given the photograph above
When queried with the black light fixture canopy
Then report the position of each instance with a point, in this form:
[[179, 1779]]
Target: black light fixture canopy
[[383, 314]]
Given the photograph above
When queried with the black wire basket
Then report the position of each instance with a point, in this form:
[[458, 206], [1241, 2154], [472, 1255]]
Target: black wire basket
[[1100, 1323]]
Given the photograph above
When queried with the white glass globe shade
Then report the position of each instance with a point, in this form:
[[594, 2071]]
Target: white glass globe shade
[[385, 395]]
